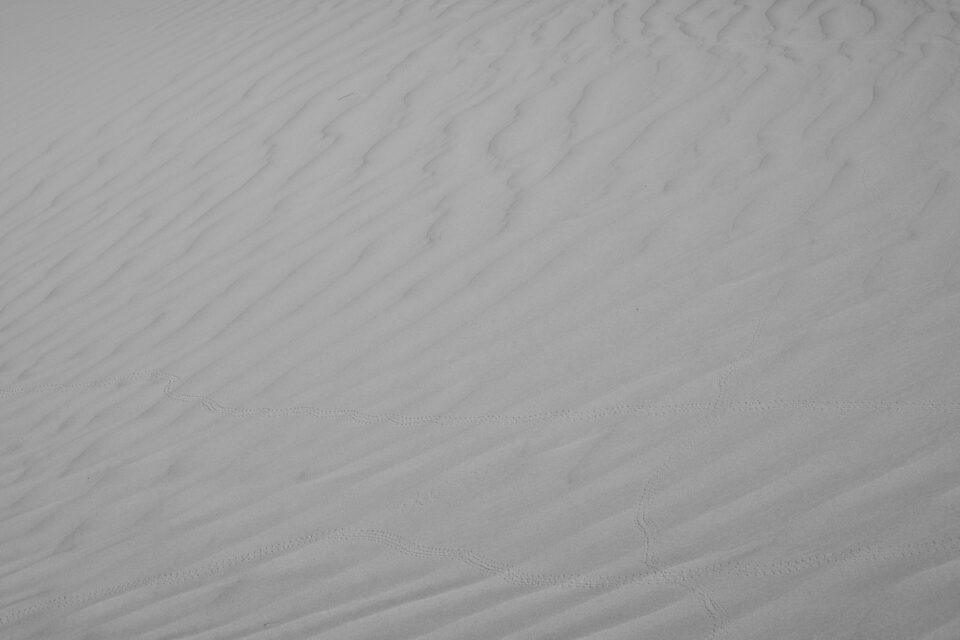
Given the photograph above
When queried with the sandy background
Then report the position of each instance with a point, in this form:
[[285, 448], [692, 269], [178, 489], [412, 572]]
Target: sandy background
[[480, 319]]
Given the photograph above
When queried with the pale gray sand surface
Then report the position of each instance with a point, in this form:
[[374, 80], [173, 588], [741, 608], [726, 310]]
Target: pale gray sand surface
[[480, 319]]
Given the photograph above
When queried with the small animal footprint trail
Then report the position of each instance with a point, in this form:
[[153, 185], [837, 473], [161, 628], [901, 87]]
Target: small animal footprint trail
[[647, 526], [171, 383]]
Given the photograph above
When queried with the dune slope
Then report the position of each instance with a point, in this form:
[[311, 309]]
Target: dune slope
[[480, 319]]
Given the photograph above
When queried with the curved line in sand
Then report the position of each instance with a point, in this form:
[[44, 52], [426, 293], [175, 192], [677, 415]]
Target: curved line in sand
[[171, 381]]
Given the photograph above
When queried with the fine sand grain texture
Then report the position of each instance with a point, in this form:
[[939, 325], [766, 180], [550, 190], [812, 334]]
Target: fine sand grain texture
[[476, 319]]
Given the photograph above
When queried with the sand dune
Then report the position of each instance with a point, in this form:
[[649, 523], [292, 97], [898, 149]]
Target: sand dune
[[480, 319]]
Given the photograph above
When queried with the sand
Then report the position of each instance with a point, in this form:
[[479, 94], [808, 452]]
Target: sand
[[480, 319]]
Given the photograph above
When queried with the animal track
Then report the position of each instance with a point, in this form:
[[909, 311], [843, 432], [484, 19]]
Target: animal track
[[643, 521], [171, 381]]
